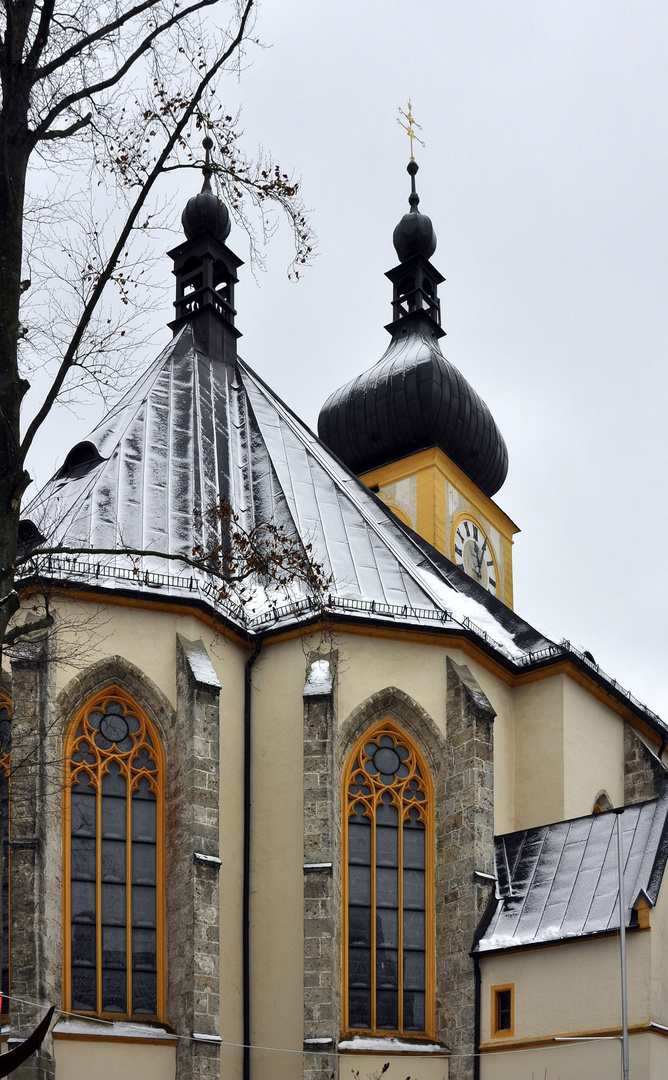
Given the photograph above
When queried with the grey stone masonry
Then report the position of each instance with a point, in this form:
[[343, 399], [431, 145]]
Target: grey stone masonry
[[322, 970], [193, 912], [35, 931], [643, 772], [464, 844]]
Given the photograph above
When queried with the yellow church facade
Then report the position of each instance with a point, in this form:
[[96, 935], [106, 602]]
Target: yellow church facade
[[285, 838]]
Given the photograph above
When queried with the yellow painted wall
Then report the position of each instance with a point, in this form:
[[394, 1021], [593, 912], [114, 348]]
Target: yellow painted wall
[[580, 1061], [658, 918], [79, 1059], [414, 1066], [539, 753], [565, 989], [277, 852], [593, 751]]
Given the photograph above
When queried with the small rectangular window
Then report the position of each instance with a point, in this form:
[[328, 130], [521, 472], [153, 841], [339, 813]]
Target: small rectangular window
[[503, 1018]]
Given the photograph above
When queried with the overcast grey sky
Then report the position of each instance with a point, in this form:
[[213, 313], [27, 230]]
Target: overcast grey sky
[[545, 175]]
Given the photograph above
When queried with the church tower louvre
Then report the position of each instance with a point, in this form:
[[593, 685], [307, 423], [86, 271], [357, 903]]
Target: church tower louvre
[[414, 430]]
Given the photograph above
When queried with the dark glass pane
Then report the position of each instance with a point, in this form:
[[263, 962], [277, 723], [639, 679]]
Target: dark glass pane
[[114, 708], [133, 723], [143, 789], [83, 946], [83, 808], [386, 887], [359, 967], [114, 990], [113, 947], [113, 781], [144, 993], [113, 817], [143, 950], [414, 929], [504, 1014], [387, 813], [83, 901], [359, 1008], [83, 858], [359, 925], [414, 971], [387, 1018], [143, 818], [83, 989], [414, 888], [359, 841], [93, 719], [143, 906], [387, 972], [386, 760], [359, 885], [414, 1011], [387, 841], [113, 905], [143, 864], [413, 848], [113, 860], [387, 932]]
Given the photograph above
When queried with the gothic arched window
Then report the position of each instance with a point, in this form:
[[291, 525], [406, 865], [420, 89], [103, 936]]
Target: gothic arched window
[[388, 886], [114, 861], [5, 781]]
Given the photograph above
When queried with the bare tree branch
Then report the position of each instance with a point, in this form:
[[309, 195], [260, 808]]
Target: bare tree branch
[[105, 275], [64, 133]]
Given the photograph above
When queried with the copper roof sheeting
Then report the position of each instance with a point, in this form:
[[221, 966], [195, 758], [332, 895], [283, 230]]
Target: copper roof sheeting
[[560, 881]]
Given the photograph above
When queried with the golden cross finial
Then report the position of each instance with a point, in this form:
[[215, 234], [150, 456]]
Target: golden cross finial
[[410, 127]]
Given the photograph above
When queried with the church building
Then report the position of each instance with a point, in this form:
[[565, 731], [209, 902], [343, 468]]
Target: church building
[[282, 832]]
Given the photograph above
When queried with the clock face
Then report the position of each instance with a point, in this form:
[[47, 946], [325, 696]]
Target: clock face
[[473, 553]]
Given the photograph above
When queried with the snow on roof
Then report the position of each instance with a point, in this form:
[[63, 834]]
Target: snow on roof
[[195, 430], [560, 881]]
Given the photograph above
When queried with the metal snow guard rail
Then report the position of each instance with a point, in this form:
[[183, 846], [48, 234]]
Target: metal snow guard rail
[[566, 648], [190, 583]]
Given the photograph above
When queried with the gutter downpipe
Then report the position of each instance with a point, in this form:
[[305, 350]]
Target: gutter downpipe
[[622, 944], [245, 915]]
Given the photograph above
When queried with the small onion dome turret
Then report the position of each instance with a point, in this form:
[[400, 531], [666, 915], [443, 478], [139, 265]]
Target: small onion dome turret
[[205, 214], [414, 235], [413, 398]]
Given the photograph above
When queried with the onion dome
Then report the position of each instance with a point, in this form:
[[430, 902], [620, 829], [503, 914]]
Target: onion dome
[[414, 398], [414, 235], [205, 214]]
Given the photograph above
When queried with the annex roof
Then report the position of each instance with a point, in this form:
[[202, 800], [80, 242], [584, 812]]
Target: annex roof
[[560, 881]]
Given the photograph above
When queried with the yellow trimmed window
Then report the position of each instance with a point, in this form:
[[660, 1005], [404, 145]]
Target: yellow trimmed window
[[503, 1010], [114, 861], [388, 867], [5, 781]]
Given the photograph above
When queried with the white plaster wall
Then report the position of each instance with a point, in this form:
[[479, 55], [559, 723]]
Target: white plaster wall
[[593, 751], [658, 919]]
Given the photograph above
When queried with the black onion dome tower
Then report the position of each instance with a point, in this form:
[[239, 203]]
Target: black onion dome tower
[[413, 398], [206, 272]]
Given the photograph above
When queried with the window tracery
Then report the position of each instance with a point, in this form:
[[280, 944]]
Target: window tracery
[[388, 842], [114, 857]]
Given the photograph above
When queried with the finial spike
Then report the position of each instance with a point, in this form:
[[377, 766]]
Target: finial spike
[[409, 127], [207, 143]]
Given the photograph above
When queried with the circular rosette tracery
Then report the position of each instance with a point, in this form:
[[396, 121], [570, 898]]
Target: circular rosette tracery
[[386, 765], [113, 729]]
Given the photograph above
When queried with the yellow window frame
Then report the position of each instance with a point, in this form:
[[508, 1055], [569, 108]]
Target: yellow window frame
[[97, 703], [387, 726], [496, 1031]]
